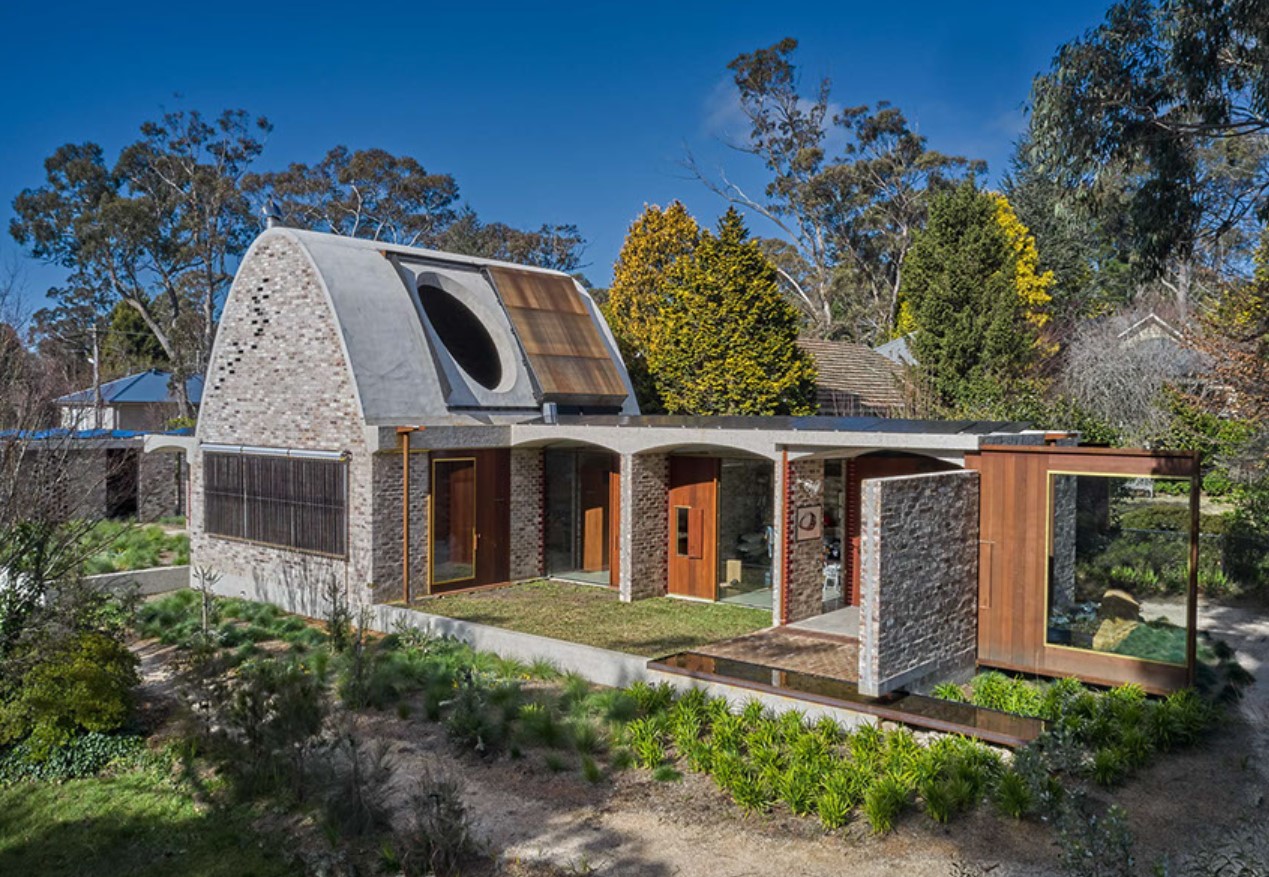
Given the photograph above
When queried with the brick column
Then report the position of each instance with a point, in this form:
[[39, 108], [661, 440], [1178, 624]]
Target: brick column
[[644, 526], [526, 514], [804, 567]]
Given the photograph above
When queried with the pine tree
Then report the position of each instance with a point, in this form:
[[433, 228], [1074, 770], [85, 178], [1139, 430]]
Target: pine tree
[[974, 326], [727, 337]]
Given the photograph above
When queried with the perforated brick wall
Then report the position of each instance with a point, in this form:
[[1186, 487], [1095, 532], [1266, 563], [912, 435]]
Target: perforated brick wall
[[278, 378]]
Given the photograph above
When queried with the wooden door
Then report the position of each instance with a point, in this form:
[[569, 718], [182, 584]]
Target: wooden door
[[856, 471], [593, 494], [470, 524], [694, 527]]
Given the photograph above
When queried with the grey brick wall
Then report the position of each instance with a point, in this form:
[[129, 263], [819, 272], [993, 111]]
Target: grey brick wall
[[278, 378], [161, 485], [805, 585], [526, 514], [918, 612], [644, 525], [387, 544]]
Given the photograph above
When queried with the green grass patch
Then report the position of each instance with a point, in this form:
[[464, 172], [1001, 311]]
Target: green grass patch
[[595, 617], [120, 546], [138, 823]]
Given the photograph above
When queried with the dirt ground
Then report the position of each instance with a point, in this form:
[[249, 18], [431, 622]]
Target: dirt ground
[[535, 822]]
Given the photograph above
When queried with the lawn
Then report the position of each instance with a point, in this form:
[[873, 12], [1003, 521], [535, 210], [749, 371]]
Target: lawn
[[595, 617], [139, 823]]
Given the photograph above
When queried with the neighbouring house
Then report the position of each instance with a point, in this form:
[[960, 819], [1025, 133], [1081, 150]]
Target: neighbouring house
[[406, 423], [141, 402], [898, 350], [853, 380]]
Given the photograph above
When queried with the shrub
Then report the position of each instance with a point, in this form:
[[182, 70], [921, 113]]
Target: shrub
[[591, 771], [356, 800], [1013, 795], [270, 721], [85, 755], [438, 838], [884, 802], [83, 683]]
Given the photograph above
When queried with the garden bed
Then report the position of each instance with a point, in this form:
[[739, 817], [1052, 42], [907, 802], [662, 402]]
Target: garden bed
[[595, 617], [120, 546]]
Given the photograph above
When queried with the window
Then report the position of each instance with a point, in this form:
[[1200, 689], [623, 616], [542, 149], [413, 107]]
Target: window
[[682, 539], [463, 335], [291, 502], [1119, 565]]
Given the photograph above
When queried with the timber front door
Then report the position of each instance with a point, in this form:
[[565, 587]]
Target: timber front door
[[470, 519], [694, 527]]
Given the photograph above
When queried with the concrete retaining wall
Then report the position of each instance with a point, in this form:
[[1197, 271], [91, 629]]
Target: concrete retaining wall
[[158, 580]]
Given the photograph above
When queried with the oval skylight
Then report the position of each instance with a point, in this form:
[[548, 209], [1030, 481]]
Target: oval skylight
[[463, 335]]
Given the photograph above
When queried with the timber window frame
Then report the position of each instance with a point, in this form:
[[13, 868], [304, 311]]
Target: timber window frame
[[293, 500]]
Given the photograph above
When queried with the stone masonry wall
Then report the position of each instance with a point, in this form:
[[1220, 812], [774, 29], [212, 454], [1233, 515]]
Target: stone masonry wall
[[527, 532], [644, 525], [918, 593], [387, 543], [161, 485], [279, 378], [1065, 510], [805, 585]]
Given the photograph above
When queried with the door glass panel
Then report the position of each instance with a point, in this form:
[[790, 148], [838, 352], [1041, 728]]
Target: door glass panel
[[453, 520], [1119, 565], [682, 541]]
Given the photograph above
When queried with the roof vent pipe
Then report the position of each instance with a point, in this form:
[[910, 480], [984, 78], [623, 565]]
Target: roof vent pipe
[[272, 214], [550, 412]]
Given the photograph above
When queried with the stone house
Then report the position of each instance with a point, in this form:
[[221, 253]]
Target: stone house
[[402, 423]]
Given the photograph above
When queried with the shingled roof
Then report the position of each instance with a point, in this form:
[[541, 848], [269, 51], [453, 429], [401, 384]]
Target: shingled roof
[[855, 380]]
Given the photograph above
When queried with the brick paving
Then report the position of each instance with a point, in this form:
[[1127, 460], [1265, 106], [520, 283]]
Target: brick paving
[[783, 648]]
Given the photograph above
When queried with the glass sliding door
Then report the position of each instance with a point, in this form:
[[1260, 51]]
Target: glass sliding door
[[453, 548], [580, 514]]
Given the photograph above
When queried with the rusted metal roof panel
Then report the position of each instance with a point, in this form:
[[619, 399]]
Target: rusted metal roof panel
[[561, 340]]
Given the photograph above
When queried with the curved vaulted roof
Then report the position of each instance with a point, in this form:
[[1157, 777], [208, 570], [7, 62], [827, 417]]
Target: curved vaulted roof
[[412, 364]]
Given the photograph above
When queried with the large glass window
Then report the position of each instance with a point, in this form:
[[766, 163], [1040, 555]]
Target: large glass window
[[291, 502], [1119, 565]]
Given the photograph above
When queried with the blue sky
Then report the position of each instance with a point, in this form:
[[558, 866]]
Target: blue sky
[[559, 112]]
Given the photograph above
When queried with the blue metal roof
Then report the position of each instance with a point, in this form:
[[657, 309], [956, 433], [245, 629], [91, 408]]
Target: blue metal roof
[[147, 387], [60, 433]]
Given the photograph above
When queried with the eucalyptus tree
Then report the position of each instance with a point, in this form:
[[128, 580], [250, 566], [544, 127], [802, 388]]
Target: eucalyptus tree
[[1161, 113], [845, 213], [160, 229]]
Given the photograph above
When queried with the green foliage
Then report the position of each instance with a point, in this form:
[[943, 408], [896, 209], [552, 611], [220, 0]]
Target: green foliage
[[1013, 795], [83, 683], [703, 317], [83, 756], [845, 186], [119, 546], [959, 281], [884, 802], [438, 837]]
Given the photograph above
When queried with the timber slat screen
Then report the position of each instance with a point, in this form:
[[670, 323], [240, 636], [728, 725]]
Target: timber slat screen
[[289, 502], [560, 338]]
